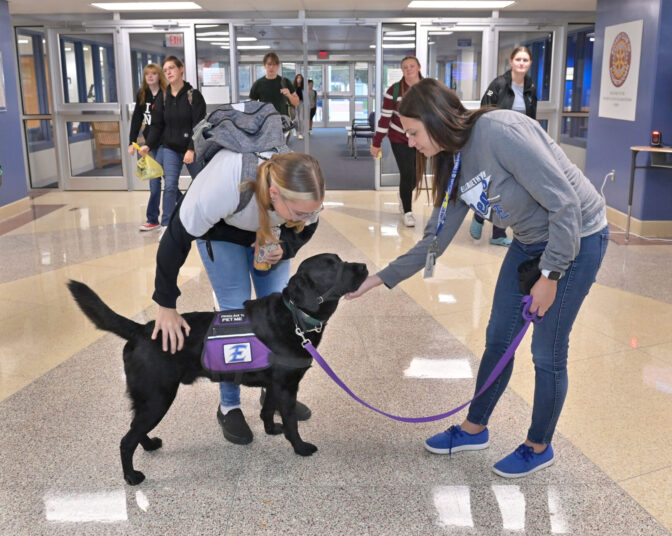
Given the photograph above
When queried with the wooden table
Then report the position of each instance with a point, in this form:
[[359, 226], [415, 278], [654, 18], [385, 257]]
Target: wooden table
[[654, 151]]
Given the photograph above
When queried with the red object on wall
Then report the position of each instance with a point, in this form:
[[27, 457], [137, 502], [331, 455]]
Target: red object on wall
[[322, 55]]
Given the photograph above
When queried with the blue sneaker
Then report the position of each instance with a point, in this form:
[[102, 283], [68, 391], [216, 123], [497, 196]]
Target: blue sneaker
[[523, 462], [455, 439], [503, 241], [475, 229]]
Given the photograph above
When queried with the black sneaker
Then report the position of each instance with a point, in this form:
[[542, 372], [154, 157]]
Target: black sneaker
[[234, 426], [303, 412]]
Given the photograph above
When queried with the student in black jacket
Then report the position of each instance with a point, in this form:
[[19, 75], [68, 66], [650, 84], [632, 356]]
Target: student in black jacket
[[174, 117], [153, 83], [514, 90]]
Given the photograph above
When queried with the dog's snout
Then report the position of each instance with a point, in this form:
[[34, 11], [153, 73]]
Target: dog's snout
[[361, 268]]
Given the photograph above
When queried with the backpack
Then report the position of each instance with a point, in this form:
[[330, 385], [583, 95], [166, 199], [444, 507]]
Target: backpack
[[395, 93], [249, 128]]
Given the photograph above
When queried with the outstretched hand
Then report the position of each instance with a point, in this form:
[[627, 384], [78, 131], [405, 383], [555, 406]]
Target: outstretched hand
[[170, 324], [369, 283]]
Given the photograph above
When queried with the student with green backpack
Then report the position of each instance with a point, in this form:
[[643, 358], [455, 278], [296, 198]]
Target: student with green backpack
[[390, 124]]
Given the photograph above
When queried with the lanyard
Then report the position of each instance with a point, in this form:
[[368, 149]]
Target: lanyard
[[457, 160]]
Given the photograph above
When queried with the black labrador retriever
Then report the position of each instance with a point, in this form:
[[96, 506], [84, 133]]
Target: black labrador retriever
[[153, 376]]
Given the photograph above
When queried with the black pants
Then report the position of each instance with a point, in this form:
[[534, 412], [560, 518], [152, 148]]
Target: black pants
[[405, 157], [497, 232]]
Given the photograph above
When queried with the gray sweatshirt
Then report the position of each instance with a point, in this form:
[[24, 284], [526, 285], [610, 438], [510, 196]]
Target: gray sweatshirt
[[516, 176]]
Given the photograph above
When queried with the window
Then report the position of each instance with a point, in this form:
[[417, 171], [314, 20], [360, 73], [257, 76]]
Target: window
[[578, 73], [455, 59], [289, 71], [338, 77], [87, 63], [213, 63], [36, 96]]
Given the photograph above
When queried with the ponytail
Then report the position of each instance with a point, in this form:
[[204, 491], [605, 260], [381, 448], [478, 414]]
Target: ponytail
[[297, 176]]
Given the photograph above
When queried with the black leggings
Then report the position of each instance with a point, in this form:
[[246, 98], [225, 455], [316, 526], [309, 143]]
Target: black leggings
[[405, 157]]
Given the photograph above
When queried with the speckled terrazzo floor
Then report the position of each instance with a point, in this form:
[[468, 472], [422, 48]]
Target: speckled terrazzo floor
[[63, 409]]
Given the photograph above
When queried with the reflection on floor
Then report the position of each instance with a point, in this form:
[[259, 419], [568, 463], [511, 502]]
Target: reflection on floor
[[412, 350], [108, 170]]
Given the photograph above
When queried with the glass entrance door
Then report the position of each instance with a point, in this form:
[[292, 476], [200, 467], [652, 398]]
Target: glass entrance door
[[139, 48], [87, 111]]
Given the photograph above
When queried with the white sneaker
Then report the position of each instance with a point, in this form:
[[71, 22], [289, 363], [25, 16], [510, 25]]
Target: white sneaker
[[162, 231], [300, 136], [409, 219]]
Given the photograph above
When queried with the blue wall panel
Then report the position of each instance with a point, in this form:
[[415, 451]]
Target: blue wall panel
[[609, 140], [11, 147]]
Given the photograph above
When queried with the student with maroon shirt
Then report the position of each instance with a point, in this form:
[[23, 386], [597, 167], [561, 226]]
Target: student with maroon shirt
[[390, 124]]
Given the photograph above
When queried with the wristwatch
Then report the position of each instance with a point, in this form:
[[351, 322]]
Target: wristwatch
[[553, 276]]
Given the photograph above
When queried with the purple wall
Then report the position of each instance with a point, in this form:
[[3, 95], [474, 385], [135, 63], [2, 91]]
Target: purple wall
[[609, 140], [11, 147]]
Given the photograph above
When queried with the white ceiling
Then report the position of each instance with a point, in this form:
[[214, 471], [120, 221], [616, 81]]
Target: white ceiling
[[268, 8]]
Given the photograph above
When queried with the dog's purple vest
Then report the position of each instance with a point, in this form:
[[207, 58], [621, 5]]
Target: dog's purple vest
[[230, 346]]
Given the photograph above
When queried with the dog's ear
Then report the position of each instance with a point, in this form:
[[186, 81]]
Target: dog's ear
[[302, 292]]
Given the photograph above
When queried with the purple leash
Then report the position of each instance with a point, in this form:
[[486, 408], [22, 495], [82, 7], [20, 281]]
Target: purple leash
[[501, 365]]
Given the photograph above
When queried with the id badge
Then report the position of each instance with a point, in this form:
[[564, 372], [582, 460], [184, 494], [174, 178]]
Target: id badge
[[430, 261]]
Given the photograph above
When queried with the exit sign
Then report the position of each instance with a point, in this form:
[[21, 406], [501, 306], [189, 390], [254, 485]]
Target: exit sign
[[174, 40], [322, 55]]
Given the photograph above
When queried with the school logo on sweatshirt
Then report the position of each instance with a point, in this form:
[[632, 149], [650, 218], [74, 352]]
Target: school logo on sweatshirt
[[475, 194], [147, 114]]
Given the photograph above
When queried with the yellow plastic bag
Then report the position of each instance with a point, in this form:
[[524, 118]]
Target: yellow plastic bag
[[147, 168]]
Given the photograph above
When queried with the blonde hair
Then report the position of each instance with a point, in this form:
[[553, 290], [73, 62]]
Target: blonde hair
[[163, 83], [297, 177]]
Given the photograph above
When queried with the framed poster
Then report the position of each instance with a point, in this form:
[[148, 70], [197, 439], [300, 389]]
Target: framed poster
[[3, 100], [620, 70]]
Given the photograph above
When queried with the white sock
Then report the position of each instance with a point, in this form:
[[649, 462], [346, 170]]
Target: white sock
[[226, 409]]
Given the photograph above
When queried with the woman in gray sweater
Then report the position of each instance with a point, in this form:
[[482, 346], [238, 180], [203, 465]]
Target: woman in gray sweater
[[504, 165]]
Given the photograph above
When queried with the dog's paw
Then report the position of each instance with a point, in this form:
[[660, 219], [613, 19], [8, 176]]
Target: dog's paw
[[134, 478], [152, 444], [274, 428], [305, 449]]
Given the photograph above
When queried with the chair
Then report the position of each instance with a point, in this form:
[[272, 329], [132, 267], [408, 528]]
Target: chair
[[106, 136], [361, 128]]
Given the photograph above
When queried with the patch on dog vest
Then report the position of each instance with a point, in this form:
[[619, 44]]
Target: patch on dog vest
[[230, 346]]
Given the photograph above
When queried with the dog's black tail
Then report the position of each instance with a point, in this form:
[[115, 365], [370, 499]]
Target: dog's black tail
[[100, 314]]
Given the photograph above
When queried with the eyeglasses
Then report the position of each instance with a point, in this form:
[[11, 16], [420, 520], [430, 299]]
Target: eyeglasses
[[301, 216]]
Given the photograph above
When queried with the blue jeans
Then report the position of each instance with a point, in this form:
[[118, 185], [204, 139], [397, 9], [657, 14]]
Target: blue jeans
[[172, 166], [154, 195], [550, 340], [231, 276]]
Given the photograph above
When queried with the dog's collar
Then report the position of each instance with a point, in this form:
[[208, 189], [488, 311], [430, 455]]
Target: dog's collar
[[302, 319]]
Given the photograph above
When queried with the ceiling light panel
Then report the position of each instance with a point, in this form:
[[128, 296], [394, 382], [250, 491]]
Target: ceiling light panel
[[147, 6]]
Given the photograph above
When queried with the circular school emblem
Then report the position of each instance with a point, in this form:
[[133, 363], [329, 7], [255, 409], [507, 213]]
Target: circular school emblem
[[619, 59]]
